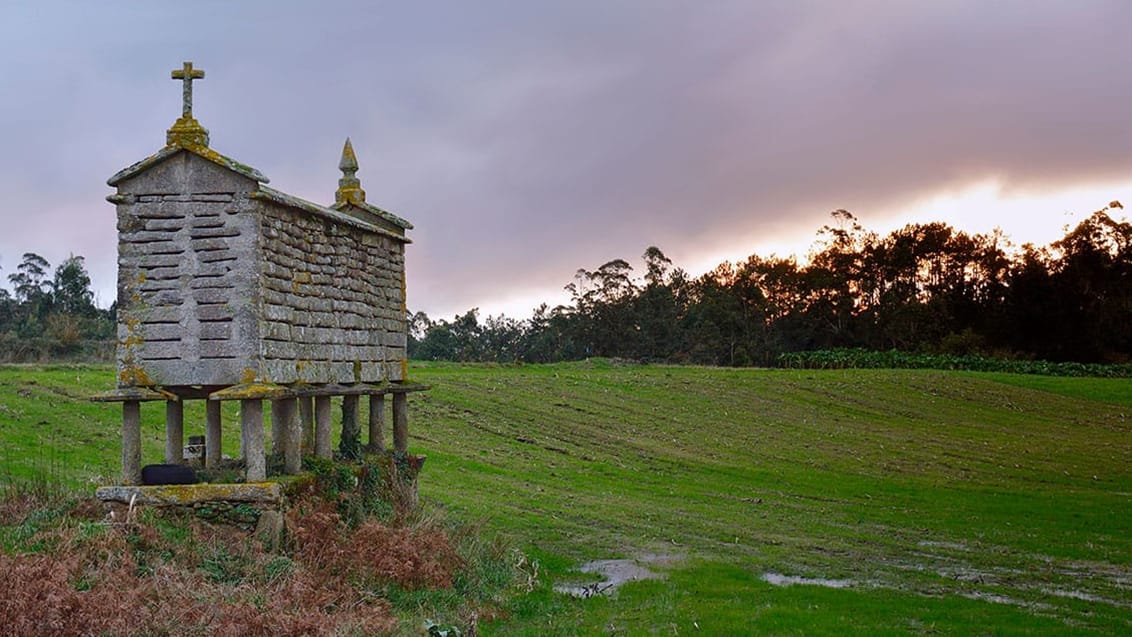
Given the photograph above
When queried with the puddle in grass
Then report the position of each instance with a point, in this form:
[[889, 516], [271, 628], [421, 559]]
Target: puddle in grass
[[616, 573], [778, 579]]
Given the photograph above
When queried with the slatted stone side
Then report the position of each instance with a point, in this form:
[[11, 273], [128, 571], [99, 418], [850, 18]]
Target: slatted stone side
[[333, 300], [187, 287]]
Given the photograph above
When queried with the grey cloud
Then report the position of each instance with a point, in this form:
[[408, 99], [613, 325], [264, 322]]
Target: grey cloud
[[525, 140]]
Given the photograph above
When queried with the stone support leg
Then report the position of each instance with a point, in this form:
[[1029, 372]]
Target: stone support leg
[[376, 423], [306, 421], [286, 411], [277, 430], [131, 442], [400, 422], [251, 426], [322, 427], [350, 445], [174, 432], [212, 448]]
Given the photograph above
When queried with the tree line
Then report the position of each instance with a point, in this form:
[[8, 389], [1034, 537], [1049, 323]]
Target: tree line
[[50, 315], [922, 288]]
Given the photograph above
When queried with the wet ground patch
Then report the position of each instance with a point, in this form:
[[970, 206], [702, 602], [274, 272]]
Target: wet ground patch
[[616, 572]]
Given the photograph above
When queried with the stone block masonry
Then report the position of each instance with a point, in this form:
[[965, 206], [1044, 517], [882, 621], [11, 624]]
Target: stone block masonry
[[220, 277], [332, 301], [187, 284]]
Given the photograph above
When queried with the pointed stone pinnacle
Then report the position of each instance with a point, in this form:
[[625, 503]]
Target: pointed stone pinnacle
[[349, 163], [349, 188]]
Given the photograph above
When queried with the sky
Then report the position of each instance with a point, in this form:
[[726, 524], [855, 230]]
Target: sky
[[526, 139]]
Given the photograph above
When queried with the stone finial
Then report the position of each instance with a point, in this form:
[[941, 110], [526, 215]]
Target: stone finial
[[187, 130], [349, 162], [349, 187], [187, 74]]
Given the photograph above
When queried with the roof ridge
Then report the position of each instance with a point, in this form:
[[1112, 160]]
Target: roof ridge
[[205, 152]]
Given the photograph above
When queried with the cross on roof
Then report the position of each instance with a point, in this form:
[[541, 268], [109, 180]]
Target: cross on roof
[[187, 74]]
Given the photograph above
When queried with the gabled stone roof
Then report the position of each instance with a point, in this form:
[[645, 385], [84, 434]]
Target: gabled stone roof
[[374, 210], [350, 205], [187, 134], [201, 151], [265, 193]]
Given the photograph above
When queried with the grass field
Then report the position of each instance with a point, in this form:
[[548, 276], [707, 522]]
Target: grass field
[[939, 502]]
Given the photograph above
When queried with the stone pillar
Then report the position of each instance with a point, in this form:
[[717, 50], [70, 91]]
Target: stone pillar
[[400, 422], [350, 445], [174, 431], [131, 442], [212, 448], [322, 427], [251, 428], [306, 421], [243, 439], [277, 430], [285, 416], [376, 423]]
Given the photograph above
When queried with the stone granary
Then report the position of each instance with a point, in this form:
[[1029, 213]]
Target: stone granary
[[231, 290]]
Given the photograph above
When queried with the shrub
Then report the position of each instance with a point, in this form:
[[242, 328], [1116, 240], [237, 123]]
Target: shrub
[[893, 359]]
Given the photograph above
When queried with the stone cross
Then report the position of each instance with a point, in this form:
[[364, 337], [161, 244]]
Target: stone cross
[[187, 74]]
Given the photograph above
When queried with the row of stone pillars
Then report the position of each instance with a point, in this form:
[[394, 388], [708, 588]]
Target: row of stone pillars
[[301, 422]]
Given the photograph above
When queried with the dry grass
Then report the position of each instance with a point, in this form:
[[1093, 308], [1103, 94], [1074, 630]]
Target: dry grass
[[170, 573]]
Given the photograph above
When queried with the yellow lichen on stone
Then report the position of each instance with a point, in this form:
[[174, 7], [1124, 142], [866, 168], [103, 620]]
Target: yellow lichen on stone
[[187, 494], [134, 376], [253, 390], [256, 390], [130, 373], [298, 278]]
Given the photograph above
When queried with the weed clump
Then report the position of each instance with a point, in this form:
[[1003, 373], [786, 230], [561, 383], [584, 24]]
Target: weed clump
[[373, 555]]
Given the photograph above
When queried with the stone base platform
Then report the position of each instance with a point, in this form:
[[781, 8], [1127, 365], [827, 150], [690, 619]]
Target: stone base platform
[[261, 493]]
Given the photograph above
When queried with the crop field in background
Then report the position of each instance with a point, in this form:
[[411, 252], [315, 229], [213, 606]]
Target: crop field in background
[[772, 501]]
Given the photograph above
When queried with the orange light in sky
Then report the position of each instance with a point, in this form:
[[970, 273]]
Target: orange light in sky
[[1024, 215]]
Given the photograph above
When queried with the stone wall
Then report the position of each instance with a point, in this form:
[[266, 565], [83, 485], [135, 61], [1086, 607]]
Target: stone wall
[[186, 275], [221, 279], [333, 300]]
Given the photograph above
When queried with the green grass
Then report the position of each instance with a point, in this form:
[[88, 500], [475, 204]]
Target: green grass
[[49, 430], [1105, 390], [954, 502], [932, 491]]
